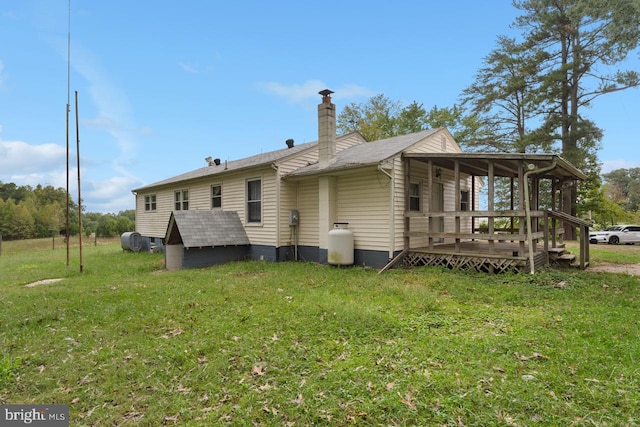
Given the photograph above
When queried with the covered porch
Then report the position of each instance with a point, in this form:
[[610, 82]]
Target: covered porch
[[486, 235]]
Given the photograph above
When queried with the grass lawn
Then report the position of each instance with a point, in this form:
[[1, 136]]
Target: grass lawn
[[297, 344]]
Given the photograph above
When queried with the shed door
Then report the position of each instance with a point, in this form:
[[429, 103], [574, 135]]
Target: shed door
[[437, 203]]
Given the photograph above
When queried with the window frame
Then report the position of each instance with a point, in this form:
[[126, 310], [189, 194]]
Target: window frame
[[150, 202], [414, 197], [464, 200], [250, 203], [181, 200], [216, 196]]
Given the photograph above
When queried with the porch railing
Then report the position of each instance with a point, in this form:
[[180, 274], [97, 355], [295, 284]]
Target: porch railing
[[547, 227]]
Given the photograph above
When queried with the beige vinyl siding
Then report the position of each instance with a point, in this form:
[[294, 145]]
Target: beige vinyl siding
[[233, 199], [434, 144], [154, 223], [311, 156], [288, 201], [363, 202], [308, 206], [398, 203], [349, 140], [299, 161]]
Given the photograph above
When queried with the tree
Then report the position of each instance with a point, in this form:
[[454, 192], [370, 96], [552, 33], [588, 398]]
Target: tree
[[623, 188], [375, 119], [576, 38], [504, 102], [381, 118]]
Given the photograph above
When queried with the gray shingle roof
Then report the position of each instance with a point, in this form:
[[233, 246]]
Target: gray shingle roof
[[206, 228], [234, 165], [368, 153]]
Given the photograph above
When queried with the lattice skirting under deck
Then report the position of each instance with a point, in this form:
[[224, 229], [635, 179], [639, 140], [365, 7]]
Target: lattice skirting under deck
[[464, 262]]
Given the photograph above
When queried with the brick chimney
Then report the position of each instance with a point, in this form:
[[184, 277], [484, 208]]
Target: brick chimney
[[326, 130]]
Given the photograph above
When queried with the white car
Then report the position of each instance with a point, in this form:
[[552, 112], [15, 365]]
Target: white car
[[617, 234]]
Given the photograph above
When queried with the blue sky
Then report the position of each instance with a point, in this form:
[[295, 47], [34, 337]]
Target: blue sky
[[164, 84]]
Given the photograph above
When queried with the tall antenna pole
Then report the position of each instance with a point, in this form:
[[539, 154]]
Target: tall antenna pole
[[79, 196], [67, 230]]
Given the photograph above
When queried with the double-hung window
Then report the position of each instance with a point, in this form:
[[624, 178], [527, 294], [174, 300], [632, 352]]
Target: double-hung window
[[464, 200], [150, 202], [181, 199], [216, 196], [414, 197], [254, 201]]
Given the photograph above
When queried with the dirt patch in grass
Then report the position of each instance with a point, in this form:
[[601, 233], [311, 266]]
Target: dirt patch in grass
[[633, 269], [41, 282]]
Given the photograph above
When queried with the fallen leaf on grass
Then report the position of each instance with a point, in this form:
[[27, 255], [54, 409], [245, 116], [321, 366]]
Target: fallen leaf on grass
[[40, 369], [257, 370], [182, 389], [560, 284], [406, 399], [534, 355], [390, 385], [173, 333], [298, 400], [499, 369]]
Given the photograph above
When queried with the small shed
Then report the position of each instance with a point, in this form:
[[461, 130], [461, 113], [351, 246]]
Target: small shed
[[196, 239]]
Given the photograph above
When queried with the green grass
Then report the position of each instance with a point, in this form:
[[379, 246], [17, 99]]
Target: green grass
[[127, 343]]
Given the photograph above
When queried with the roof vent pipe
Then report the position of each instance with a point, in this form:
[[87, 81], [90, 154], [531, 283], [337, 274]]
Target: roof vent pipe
[[289, 143]]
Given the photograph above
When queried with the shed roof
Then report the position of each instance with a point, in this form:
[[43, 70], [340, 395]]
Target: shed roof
[[206, 228]]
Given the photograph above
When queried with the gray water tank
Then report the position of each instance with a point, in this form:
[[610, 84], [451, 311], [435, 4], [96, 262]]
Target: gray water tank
[[340, 244], [131, 241]]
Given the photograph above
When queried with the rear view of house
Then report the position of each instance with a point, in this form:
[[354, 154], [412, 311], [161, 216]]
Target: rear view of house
[[288, 200], [411, 199]]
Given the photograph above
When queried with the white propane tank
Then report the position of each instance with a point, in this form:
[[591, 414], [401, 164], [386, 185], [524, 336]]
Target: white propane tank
[[340, 244]]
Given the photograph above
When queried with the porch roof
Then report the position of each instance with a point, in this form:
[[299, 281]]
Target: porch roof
[[505, 164]]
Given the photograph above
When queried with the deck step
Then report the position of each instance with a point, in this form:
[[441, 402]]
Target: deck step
[[557, 250], [566, 257]]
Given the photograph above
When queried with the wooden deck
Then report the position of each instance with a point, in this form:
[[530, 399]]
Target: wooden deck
[[476, 255]]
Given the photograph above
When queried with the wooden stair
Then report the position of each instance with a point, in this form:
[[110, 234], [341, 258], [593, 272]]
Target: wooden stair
[[563, 258]]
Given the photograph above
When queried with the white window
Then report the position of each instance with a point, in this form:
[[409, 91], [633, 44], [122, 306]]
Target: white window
[[181, 200], [150, 202], [414, 196], [216, 196], [464, 200], [254, 201]]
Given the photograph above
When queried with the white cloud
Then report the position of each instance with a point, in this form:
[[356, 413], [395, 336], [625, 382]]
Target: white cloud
[[194, 69], [20, 159], [115, 113], [309, 90], [111, 195]]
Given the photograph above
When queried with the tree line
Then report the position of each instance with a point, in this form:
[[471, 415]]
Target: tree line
[[531, 96], [28, 213]]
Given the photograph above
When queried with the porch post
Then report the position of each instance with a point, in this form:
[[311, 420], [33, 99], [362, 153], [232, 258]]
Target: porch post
[[407, 208], [490, 206], [521, 219], [456, 208], [428, 204]]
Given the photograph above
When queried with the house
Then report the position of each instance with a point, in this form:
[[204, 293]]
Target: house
[[402, 198]]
